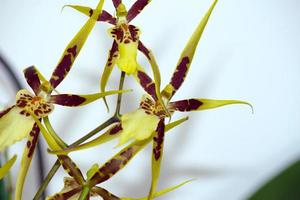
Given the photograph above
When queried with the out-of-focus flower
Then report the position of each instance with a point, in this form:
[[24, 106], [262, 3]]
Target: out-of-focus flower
[[72, 189]]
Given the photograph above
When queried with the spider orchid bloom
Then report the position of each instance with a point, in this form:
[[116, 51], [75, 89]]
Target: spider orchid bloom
[[126, 44], [148, 121], [6, 167], [42, 90], [97, 175], [17, 122], [72, 190]]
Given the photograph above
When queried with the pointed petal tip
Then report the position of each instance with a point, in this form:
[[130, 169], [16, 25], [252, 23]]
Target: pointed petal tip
[[213, 103], [64, 6]]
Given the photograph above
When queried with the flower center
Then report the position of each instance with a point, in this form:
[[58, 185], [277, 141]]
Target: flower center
[[152, 107], [31, 104]]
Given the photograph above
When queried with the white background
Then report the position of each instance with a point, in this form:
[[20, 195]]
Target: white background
[[249, 51]]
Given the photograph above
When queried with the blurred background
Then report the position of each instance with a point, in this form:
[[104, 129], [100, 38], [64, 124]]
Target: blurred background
[[249, 51]]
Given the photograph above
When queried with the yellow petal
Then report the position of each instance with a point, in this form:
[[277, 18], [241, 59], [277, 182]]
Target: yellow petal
[[14, 127], [137, 125], [127, 60], [213, 103], [26, 160], [5, 168]]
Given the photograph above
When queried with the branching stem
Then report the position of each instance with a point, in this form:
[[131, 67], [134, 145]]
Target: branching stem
[[55, 167]]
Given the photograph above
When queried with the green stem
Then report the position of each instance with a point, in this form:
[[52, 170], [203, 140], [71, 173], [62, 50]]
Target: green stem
[[50, 129], [118, 107], [46, 181], [57, 164], [84, 193]]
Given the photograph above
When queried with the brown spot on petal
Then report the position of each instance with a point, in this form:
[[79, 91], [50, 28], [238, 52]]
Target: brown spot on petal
[[118, 34], [113, 53], [68, 100], [127, 154], [147, 84], [91, 12], [134, 32], [186, 105], [158, 139], [179, 74], [32, 79], [67, 195], [71, 168], [111, 167], [106, 17], [63, 67], [31, 143], [144, 50], [4, 112], [116, 3], [115, 129], [136, 8], [72, 50]]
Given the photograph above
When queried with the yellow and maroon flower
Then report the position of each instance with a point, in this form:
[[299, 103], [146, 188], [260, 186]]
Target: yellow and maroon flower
[[126, 43], [17, 122], [148, 121], [96, 175]]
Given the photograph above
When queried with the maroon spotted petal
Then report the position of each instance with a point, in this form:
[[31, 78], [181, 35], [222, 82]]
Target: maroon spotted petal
[[32, 79], [106, 17], [32, 140], [116, 3], [115, 164], [68, 99], [147, 83], [64, 66], [144, 50], [4, 112], [158, 140], [185, 105], [136, 8]]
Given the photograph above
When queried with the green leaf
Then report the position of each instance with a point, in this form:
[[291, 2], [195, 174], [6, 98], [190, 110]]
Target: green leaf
[[286, 185]]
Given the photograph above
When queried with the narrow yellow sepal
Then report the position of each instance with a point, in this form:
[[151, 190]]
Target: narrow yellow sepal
[[6, 167], [93, 97], [161, 192], [213, 103], [83, 9]]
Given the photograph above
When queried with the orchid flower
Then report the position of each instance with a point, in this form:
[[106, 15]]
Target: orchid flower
[[148, 121], [17, 122], [73, 189], [40, 103], [126, 44]]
